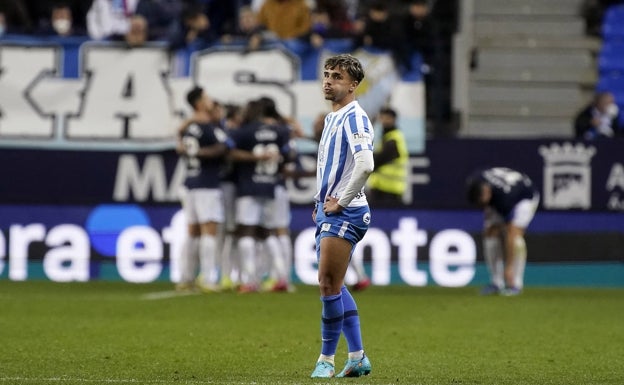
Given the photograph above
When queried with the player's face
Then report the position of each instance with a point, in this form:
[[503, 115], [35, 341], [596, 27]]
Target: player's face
[[207, 103], [486, 196], [337, 84]]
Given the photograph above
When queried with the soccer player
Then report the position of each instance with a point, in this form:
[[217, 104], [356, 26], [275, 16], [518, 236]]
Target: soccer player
[[509, 201], [258, 150], [203, 146], [341, 212]]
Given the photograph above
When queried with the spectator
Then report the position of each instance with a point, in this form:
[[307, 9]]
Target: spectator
[[288, 19], [160, 15], [16, 18], [109, 18], [248, 31], [60, 22], [388, 182], [600, 119], [223, 15], [338, 13], [322, 28], [137, 35], [420, 28], [41, 12], [192, 29], [384, 31]]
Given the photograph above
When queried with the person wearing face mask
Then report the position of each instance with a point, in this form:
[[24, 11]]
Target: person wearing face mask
[[61, 20], [58, 21], [600, 119]]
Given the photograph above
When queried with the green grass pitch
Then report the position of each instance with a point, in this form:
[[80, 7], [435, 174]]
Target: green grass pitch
[[119, 333]]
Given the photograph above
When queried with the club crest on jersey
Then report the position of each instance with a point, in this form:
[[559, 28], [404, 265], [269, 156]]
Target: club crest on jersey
[[366, 218], [325, 226]]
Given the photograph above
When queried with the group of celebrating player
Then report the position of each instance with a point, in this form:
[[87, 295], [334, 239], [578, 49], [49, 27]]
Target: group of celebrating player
[[235, 197]]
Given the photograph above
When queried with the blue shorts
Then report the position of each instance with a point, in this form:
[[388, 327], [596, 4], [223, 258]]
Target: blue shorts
[[350, 224]]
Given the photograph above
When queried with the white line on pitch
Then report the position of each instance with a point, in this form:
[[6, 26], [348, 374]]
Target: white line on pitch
[[166, 294]]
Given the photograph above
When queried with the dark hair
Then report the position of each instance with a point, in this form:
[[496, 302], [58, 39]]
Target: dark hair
[[194, 95], [473, 191], [347, 63], [191, 12], [269, 109], [388, 111], [253, 112], [231, 110]]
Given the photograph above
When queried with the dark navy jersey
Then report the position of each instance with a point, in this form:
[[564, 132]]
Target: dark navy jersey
[[202, 172], [508, 188], [259, 178]]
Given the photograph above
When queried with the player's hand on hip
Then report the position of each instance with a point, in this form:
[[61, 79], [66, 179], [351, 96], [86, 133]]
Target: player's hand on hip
[[331, 206]]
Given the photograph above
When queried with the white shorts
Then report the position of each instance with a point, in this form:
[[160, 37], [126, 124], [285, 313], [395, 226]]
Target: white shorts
[[256, 211], [203, 205], [282, 208], [521, 215], [229, 202]]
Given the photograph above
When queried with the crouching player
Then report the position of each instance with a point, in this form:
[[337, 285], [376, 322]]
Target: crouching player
[[509, 201]]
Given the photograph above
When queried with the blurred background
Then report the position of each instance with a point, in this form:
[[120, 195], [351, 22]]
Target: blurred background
[[92, 92]]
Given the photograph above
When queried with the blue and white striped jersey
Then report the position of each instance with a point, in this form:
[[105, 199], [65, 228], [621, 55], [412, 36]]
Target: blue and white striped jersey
[[346, 132]]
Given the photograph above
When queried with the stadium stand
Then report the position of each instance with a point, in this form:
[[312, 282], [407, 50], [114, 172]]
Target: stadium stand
[[530, 67], [611, 56]]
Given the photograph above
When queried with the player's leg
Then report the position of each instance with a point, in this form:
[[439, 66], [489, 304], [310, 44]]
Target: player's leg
[[210, 213], [334, 255], [516, 250], [190, 247], [493, 252], [248, 215], [271, 217], [362, 278], [189, 259], [228, 259], [282, 230], [336, 237]]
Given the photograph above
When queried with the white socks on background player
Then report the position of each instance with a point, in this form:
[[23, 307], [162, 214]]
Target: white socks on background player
[[188, 259], [229, 258], [287, 253], [208, 259], [247, 253], [493, 255], [274, 250], [519, 261]]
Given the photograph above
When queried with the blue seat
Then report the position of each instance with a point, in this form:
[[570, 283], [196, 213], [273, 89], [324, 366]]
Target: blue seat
[[614, 14], [613, 83], [610, 62], [613, 23]]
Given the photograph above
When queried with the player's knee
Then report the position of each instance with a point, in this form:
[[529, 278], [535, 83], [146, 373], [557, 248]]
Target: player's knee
[[519, 246]]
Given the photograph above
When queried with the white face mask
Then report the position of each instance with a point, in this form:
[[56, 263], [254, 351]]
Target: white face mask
[[612, 110], [61, 26]]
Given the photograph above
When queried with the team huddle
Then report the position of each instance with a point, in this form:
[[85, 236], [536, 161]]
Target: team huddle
[[235, 197]]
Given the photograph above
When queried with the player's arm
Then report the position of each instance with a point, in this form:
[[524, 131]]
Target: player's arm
[[239, 155], [213, 151], [363, 167], [180, 148]]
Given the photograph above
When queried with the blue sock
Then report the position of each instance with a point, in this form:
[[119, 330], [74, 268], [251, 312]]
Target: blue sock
[[331, 324], [351, 323]]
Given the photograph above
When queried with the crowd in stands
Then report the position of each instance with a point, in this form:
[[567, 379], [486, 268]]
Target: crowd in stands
[[398, 26]]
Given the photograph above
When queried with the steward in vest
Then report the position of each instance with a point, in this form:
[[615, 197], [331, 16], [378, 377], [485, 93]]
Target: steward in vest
[[389, 180]]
